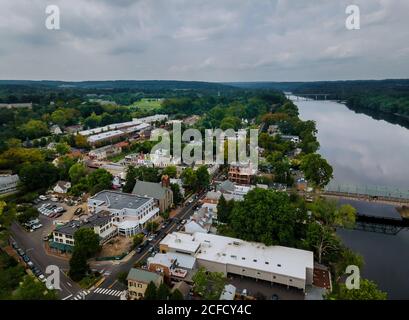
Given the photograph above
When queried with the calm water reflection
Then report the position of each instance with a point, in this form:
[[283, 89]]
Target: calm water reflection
[[363, 150]]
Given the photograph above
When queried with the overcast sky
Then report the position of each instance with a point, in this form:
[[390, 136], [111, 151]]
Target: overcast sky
[[210, 40]]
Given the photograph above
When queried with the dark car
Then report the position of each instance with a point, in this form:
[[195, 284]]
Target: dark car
[[141, 247], [36, 271], [78, 211], [57, 215], [25, 258], [15, 245], [275, 297]]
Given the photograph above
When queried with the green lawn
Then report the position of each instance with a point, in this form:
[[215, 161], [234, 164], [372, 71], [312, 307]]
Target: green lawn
[[147, 104]]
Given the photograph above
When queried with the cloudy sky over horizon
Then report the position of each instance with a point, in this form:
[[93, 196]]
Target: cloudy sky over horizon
[[209, 40]]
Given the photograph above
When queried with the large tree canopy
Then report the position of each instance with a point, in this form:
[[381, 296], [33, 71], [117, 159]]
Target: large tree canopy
[[269, 217]]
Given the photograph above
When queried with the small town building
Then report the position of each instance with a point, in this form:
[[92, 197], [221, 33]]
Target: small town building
[[241, 173], [73, 129], [62, 187], [101, 223], [138, 281], [130, 213], [8, 183], [105, 152], [55, 129], [276, 264], [161, 192]]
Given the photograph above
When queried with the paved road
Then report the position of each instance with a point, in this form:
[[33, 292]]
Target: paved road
[[32, 244], [111, 283]]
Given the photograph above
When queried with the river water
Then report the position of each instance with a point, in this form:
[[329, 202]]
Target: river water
[[366, 151]]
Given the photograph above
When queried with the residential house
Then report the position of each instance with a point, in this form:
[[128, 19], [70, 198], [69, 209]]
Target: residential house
[[161, 192], [138, 281], [62, 187], [55, 129], [105, 152], [73, 129]]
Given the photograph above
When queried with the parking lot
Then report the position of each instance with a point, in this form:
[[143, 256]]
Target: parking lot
[[267, 289]]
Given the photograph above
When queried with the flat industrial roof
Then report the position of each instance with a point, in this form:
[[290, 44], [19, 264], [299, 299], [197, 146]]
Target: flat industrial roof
[[104, 135], [181, 241], [119, 200], [275, 259]]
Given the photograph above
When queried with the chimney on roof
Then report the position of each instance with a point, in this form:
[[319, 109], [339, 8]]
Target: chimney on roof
[[165, 181]]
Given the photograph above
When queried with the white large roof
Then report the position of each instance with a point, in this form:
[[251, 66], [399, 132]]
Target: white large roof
[[275, 259]]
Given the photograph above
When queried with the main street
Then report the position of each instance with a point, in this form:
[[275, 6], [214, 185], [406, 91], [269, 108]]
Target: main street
[[32, 243], [111, 283]]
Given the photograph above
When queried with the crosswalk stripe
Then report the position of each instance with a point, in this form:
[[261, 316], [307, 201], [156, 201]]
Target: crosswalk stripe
[[98, 290], [119, 293], [104, 291], [110, 292]]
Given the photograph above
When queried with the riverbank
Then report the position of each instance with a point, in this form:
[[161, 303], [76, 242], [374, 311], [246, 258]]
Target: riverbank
[[364, 150]]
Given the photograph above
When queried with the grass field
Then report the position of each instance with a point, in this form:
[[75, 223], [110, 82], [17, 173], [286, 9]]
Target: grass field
[[148, 104]]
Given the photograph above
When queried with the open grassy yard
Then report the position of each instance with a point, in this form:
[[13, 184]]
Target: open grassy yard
[[148, 104]]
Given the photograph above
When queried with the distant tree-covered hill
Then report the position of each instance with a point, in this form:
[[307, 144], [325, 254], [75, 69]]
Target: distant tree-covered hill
[[387, 96]]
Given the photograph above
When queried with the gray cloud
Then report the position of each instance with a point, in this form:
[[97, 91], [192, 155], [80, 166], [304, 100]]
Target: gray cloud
[[213, 40]]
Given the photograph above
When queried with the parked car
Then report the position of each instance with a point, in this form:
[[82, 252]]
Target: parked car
[[30, 265], [42, 278], [20, 252], [151, 237], [36, 271], [14, 245], [244, 292], [141, 247], [59, 210], [26, 259], [78, 211], [42, 198], [36, 226], [54, 199]]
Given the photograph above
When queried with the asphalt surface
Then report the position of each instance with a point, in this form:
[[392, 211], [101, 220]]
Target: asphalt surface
[[106, 291], [32, 244]]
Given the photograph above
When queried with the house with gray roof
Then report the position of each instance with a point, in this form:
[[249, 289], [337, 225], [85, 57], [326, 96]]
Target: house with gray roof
[[101, 223], [161, 192], [138, 281]]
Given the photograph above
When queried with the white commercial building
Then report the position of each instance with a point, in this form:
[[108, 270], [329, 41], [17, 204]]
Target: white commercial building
[[276, 264], [130, 212], [8, 183]]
